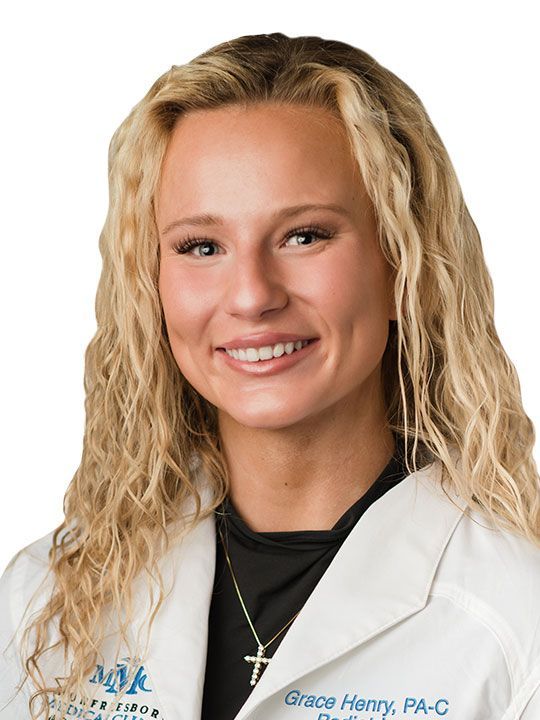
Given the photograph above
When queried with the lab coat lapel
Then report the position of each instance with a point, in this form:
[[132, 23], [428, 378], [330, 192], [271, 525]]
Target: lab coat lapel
[[381, 575], [176, 657]]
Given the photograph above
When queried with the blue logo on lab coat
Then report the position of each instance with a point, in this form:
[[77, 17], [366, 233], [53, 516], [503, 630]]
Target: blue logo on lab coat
[[115, 680]]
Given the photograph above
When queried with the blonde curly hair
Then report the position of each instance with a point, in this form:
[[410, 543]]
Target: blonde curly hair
[[450, 388]]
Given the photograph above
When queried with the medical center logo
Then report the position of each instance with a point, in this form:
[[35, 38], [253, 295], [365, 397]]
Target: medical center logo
[[114, 680]]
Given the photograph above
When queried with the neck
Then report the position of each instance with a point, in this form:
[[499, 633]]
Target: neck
[[306, 476]]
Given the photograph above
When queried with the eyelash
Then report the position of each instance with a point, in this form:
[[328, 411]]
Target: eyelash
[[191, 242]]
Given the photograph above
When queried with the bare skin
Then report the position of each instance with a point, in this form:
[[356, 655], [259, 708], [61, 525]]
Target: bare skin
[[304, 443]]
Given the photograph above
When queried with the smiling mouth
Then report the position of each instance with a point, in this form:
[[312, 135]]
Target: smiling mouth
[[250, 355]]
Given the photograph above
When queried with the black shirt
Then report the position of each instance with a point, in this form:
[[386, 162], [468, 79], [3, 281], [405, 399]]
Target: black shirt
[[276, 572]]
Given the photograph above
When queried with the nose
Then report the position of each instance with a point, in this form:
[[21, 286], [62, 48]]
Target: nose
[[254, 286]]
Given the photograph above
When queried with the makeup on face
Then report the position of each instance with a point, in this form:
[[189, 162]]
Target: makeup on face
[[273, 285]]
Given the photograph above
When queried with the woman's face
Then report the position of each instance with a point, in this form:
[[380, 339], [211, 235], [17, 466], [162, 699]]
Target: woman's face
[[235, 180]]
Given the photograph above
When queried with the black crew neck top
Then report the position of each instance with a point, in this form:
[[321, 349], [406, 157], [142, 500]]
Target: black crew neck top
[[276, 572]]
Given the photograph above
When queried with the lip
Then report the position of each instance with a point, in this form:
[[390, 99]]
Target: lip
[[268, 367], [262, 339]]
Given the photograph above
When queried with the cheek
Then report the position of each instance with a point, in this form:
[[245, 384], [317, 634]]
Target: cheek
[[352, 291], [186, 314], [185, 306], [356, 311]]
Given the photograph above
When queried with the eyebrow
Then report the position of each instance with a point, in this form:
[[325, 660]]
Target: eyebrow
[[206, 219]]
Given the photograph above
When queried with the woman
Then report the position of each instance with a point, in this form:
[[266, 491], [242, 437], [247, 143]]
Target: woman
[[307, 488]]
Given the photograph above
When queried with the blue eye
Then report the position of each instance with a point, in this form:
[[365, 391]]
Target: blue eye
[[190, 243], [187, 245], [314, 231]]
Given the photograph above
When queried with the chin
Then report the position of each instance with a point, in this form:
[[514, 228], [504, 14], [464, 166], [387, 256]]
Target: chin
[[267, 417]]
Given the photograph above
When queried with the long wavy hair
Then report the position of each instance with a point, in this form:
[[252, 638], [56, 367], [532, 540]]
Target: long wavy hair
[[451, 391]]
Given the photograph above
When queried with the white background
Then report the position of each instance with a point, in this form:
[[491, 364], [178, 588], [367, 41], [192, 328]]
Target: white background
[[71, 72]]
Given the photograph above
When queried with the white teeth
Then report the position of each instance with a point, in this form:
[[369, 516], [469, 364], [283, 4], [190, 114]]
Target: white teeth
[[266, 352]]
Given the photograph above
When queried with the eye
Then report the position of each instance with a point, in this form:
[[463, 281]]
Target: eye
[[184, 247], [312, 230], [190, 243]]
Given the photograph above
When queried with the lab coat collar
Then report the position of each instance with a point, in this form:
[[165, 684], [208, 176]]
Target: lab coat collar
[[381, 575]]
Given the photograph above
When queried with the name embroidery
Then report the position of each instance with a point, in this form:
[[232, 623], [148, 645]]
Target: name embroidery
[[352, 703]]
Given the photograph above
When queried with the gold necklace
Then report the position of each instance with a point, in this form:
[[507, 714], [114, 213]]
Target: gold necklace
[[260, 660]]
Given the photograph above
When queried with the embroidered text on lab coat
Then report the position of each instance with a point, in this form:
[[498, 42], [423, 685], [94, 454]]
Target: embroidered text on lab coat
[[347, 704]]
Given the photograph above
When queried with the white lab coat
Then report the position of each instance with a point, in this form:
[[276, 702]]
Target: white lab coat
[[423, 613]]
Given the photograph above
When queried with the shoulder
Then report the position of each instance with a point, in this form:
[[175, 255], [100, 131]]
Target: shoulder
[[22, 579], [497, 565], [494, 575], [23, 584]]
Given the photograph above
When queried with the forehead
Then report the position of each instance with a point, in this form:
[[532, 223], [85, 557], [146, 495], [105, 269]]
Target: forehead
[[237, 155]]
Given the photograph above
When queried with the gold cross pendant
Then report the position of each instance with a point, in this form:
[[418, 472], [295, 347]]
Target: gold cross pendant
[[259, 661]]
